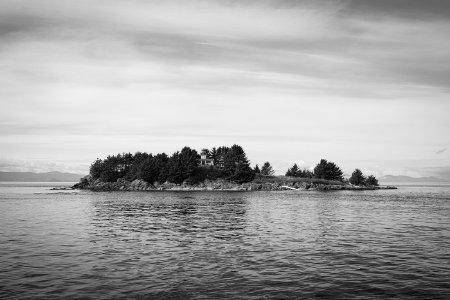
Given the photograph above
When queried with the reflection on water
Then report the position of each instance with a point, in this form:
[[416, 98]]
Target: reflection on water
[[225, 245], [176, 215]]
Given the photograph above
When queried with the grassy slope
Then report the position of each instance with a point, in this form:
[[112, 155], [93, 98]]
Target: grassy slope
[[285, 179]]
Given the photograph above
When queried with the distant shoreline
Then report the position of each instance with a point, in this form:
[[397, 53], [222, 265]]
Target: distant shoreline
[[39, 177]]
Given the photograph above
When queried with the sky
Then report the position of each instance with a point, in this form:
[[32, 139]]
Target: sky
[[365, 84]]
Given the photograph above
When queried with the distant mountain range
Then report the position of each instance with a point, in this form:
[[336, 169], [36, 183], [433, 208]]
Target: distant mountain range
[[406, 179], [40, 177]]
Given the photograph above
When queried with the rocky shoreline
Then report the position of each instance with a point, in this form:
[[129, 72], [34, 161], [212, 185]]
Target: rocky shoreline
[[87, 183]]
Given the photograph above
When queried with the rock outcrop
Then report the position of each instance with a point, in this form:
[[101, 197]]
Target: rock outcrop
[[89, 183]]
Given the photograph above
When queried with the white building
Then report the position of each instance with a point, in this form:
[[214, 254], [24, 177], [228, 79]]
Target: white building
[[204, 160]]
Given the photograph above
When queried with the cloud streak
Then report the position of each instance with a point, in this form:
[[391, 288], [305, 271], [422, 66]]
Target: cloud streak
[[441, 151]]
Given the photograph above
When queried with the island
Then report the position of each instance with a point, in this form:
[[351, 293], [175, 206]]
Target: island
[[217, 169]]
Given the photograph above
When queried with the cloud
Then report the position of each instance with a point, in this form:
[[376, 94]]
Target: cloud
[[441, 151], [299, 40], [408, 9]]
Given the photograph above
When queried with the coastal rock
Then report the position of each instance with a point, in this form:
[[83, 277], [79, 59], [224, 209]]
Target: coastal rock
[[123, 184], [88, 182]]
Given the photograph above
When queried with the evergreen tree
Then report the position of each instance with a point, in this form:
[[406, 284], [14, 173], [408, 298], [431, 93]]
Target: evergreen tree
[[357, 177], [257, 170], [175, 169], [148, 170], [294, 171], [182, 165], [164, 173], [110, 169], [213, 155], [307, 174], [125, 163], [243, 173], [96, 168], [159, 165], [236, 165], [371, 180], [218, 156], [190, 160], [267, 169], [138, 158], [327, 170]]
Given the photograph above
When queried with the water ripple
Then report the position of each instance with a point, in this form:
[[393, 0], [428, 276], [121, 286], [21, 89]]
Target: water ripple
[[262, 245]]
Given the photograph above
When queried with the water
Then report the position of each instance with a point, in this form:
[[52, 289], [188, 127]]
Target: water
[[239, 245]]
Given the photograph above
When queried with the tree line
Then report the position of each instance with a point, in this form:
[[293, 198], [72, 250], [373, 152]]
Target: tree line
[[231, 164], [323, 170], [358, 178]]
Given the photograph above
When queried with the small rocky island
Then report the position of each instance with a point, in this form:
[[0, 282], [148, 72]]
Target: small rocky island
[[265, 184], [218, 169]]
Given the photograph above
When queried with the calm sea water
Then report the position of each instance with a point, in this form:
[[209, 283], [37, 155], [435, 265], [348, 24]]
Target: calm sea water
[[216, 245]]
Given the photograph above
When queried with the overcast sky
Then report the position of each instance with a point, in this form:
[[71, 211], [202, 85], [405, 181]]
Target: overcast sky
[[362, 83]]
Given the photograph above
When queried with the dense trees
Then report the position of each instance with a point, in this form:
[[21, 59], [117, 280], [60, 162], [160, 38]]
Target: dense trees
[[231, 163], [153, 168], [112, 168], [267, 169], [218, 155], [328, 170], [371, 180], [160, 167], [96, 168], [236, 166], [357, 177], [182, 165], [295, 171]]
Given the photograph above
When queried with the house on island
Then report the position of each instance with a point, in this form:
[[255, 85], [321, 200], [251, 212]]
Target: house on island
[[205, 160]]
